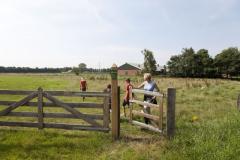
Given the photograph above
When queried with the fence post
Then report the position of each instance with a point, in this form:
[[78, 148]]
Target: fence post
[[171, 100], [40, 108], [238, 102], [115, 104]]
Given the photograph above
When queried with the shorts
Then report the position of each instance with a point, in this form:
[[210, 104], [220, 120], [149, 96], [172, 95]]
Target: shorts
[[84, 89], [125, 103]]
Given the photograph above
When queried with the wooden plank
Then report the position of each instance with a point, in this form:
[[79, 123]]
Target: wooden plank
[[57, 126], [16, 92], [143, 125], [106, 113], [70, 109], [155, 118], [78, 94], [19, 124], [160, 123], [53, 115], [58, 93], [115, 109], [144, 103], [48, 104], [17, 104], [40, 108], [171, 100], [75, 127], [157, 94]]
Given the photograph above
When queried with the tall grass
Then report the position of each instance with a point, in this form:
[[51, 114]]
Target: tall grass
[[214, 135]]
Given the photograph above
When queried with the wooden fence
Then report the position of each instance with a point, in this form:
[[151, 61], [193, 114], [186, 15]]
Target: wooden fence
[[156, 121], [71, 108]]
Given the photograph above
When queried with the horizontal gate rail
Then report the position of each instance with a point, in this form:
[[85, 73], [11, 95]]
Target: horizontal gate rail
[[147, 126], [58, 93], [49, 104], [152, 117], [54, 125], [144, 103], [53, 115], [147, 92]]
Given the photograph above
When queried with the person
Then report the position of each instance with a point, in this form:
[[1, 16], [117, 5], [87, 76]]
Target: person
[[128, 87], [109, 90], [83, 86], [148, 85]]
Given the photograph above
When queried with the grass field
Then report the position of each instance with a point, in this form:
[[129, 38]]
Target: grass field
[[214, 135]]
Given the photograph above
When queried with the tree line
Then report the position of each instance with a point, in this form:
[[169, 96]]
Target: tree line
[[75, 70], [191, 63], [31, 70]]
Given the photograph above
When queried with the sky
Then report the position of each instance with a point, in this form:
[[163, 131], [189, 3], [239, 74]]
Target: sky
[[59, 33]]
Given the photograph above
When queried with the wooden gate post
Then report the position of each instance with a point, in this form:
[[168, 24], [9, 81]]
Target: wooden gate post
[[171, 100], [40, 108], [115, 104]]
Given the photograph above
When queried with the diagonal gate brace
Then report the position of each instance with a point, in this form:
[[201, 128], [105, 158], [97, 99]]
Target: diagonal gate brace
[[19, 103], [70, 109]]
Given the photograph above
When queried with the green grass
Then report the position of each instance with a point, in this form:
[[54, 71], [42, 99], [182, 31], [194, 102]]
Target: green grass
[[215, 135]]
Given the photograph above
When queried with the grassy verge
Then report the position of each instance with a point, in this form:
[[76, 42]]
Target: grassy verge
[[214, 135]]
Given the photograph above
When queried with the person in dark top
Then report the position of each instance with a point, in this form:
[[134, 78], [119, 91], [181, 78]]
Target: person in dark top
[[83, 86]]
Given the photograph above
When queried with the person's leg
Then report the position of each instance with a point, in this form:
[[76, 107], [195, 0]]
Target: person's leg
[[147, 110], [84, 90], [146, 120], [124, 107]]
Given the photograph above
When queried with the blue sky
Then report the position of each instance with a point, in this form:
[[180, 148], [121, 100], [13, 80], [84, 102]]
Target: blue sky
[[57, 33]]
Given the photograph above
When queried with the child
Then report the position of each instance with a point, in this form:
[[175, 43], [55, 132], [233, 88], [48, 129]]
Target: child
[[109, 90], [83, 86], [128, 87]]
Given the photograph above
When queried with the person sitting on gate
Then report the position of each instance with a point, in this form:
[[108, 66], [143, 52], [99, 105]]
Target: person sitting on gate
[[128, 87], [83, 86], [148, 85]]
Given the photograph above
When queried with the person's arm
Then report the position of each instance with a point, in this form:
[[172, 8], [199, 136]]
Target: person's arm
[[141, 85], [156, 87]]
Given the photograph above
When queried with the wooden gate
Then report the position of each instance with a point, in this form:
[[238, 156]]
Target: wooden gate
[[92, 120], [160, 121]]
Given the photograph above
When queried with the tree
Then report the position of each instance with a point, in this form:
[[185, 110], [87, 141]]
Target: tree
[[149, 61], [174, 66], [191, 64], [82, 67], [204, 63], [76, 70], [228, 62], [188, 62]]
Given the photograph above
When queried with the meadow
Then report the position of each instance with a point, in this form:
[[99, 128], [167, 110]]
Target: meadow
[[213, 134]]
